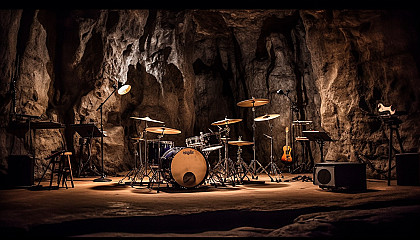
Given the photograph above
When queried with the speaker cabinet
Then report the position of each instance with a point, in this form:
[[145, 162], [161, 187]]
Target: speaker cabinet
[[340, 175], [408, 169], [21, 170]]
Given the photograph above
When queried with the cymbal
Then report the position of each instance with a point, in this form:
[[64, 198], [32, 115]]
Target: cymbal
[[147, 119], [226, 121], [240, 143], [267, 117], [163, 130], [253, 102], [138, 138]]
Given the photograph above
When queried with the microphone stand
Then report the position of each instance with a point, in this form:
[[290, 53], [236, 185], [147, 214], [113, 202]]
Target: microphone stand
[[102, 178]]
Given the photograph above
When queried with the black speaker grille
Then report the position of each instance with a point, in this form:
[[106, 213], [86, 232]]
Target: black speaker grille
[[324, 176]]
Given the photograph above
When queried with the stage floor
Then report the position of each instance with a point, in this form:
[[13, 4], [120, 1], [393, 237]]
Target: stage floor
[[290, 208]]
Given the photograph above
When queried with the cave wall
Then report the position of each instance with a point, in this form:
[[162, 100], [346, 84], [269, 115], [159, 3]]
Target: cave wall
[[190, 68]]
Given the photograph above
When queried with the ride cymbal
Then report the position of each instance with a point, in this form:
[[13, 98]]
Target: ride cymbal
[[267, 117], [253, 102], [226, 121], [147, 119], [163, 130]]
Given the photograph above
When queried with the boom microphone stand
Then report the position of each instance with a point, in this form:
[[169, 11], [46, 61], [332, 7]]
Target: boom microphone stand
[[121, 91]]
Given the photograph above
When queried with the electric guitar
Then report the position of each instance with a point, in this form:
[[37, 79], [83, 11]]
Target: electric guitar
[[287, 149]]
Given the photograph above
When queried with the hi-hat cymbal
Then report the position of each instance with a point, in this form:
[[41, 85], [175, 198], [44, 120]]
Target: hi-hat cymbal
[[147, 119], [163, 130], [226, 121], [240, 143], [267, 117], [138, 138], [253, 102]]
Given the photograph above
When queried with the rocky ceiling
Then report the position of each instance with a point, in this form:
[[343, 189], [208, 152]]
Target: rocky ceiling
[[190, 68]]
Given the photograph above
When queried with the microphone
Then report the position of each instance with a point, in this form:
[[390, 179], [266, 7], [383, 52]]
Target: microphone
[[280, 91]]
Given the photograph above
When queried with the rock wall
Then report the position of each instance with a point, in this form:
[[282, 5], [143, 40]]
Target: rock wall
[[190, 68]]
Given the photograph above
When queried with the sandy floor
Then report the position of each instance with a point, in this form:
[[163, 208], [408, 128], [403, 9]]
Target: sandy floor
[[290, 208]]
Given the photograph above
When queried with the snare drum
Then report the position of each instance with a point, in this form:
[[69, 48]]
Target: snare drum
[[186, 167], [153, 149], [211, 141], [193, 142]]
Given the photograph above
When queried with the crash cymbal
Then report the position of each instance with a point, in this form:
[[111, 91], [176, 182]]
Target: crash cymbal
[[226, 121], [267, 117], [147, 119], [163, 130], [253, 102], [240, 143]]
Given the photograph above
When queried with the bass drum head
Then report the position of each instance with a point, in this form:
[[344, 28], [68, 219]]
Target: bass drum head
[[189, 168]]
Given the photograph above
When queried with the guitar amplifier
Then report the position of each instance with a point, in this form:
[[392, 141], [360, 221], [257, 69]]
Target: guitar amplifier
[[340, 175]]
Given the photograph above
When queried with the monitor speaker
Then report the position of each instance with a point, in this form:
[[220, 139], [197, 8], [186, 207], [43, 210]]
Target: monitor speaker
[[21, 170], [408, 169], [340, 175]]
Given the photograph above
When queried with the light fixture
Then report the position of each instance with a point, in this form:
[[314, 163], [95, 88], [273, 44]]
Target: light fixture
[[121, 91]]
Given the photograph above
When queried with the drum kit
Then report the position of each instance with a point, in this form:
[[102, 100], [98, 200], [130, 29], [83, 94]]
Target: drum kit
[[188, 167]]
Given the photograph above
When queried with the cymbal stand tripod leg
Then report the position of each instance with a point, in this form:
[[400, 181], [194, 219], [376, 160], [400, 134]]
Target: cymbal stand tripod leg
[[253, 164], [157, 174], [273, 168], [217, 171], [229, 171], [241, 165], [133, 172], [142, 170]]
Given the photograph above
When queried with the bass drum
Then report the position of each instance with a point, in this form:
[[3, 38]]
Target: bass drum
[[185, 167]]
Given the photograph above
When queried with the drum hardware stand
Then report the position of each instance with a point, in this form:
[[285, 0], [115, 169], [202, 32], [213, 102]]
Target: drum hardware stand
[[241, 164], [133, 172], [157, 174], [228, 167], [254, 161], [213, 172], [273, 168], [144, 165]]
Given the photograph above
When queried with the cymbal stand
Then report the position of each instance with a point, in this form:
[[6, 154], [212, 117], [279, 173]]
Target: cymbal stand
[[212, 170], [228, 167], [144, 164], [157, 176], [253, 164], [273, 168], [241, 165], [133, 172]]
